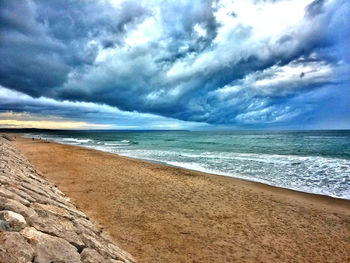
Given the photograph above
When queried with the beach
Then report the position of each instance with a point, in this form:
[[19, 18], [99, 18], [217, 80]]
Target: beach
[[166, 214]]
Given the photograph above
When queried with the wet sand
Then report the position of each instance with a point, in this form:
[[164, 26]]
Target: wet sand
[[165, 214]]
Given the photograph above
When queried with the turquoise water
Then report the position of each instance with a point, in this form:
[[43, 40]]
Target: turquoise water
[[309, 161]]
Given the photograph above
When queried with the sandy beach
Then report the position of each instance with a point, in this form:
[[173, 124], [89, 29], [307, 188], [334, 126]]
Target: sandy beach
[[165, 214]]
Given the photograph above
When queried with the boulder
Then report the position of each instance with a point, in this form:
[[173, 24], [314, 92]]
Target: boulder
[[49, 248], [38, 223], [119, 254], [104, 247], [22, 194], [14, 248], [58, 226], [8, 194], [15, 206], [11, 221], [83, 224], [55, 210], [6, 137], [91, 256]]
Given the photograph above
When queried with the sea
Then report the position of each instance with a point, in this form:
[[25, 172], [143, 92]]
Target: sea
[[308, 161]]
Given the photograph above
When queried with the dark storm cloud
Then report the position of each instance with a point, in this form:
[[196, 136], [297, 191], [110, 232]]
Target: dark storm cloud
[[179, 21], [315, 8], [182, 60], [41, 42], [25, 108]]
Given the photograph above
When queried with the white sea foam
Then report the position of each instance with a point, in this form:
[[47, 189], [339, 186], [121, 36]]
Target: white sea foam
[[74, 140], [114, 144], [313, 174]]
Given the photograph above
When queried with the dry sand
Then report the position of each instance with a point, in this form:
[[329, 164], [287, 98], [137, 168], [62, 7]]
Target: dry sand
[[166, 214]]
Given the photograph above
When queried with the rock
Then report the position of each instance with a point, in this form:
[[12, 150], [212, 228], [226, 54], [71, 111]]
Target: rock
[[50, 249], [15, 206], [37, 177], [55, 210], [91, 256], [91, 240], [11, 221], [14, 248], [22, 195], [119, 253], [32, 196], [83, 224], [58, 226], [6, 137], [104, 247], [38, 223], [5, 180], [72, 210], [41, 191], [8, 194]]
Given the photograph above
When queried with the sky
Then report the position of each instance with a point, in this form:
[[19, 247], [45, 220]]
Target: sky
[[223, 64]]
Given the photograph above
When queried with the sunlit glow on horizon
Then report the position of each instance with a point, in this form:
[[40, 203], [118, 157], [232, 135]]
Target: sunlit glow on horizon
[[25, 120]]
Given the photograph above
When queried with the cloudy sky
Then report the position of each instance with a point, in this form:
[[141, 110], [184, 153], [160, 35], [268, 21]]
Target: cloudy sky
[[225, 64]]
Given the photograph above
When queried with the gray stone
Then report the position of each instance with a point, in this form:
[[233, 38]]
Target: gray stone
[[119, 253], [55, 210], [6, 137], [22, 194], [38, 189], [58, 226], [15, 206], [91, 256], [5, 180], [37, 177], [51, 228], [72, 210], [8, 194], [11, 221], [50, 249], [91, 240], [14, 248], [104, 247], [25, 193], [83, 224]]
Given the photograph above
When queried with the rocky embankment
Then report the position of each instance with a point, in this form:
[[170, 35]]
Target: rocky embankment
[[38, 223]]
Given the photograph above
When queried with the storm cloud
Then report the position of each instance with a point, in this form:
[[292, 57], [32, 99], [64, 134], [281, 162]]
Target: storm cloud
[[236, 63]]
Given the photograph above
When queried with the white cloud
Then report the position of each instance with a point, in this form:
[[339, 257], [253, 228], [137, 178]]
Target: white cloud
[[200, 30], [246, 28], [145, 32], [266, 18], [282, 80], [271, 114]]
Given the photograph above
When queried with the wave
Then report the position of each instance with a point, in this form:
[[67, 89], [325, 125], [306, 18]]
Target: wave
[[114, 144], [75, 140], [314, 174]]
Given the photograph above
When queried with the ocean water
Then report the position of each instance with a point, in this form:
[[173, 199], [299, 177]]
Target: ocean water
[[308, 161]]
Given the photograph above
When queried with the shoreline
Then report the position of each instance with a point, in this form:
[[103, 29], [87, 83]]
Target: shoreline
[[154, 210], [39, 223], [212, 173]]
